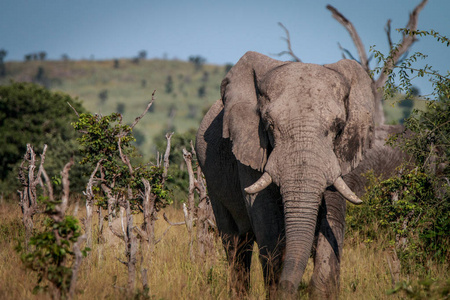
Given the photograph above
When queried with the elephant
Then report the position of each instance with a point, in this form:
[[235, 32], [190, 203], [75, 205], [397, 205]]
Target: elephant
[[275, 151]]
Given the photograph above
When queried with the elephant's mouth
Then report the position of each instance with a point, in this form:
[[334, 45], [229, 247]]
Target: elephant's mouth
[[265, 180]]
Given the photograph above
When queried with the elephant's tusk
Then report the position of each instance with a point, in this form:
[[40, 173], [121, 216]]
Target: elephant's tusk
[[260, 184], [345, 191]]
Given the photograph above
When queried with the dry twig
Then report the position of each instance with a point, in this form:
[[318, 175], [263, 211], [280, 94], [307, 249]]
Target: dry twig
[[145, 111], [288, 41]]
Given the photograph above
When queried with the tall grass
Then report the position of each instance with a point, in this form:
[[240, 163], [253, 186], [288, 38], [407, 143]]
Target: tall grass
[[172, 275]]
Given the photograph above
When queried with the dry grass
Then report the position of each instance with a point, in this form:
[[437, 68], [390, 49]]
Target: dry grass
[[172, 275]]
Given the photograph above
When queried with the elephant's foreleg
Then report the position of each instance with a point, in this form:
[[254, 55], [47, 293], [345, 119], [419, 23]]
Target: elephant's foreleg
[[239, 251], [325, 280], [265, 210]]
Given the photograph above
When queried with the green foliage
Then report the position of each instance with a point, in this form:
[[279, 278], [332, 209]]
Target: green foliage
[[429, 138], [3, 53], [52, 256], [413, 209], [406, 69], [198, 61], [169, 85], [423, 289], [407, 210], [227, 67], [87, 78], [179, 183], [101, 135], [106, 140], [32, 114]]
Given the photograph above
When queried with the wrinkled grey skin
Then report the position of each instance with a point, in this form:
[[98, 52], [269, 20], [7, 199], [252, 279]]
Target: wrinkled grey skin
[[304, 126], [384, 161]]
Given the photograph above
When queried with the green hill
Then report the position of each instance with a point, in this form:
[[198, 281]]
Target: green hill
[[395, 110], [184, 90]]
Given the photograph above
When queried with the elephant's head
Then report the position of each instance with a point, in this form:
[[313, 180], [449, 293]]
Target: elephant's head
[[304, 126]]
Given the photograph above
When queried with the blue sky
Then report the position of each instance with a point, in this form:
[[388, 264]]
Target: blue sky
[[220, 31]]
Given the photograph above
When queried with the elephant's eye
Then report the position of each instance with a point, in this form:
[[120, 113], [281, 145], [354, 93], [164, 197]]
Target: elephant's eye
[[269, 124]]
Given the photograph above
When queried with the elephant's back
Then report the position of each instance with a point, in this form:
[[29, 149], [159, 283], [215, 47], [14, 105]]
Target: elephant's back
[[209, 133]]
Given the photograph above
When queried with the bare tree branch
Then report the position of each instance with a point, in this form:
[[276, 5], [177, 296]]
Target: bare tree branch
[[90, 205], [189, 210], [172, 223], [124, 158], [288, 41], [403, 46], [48, 183], [167, 229], [62, 207], [166, 158], [76, 265], [387, 29], [354, 35], [145, 111], [73, 108]]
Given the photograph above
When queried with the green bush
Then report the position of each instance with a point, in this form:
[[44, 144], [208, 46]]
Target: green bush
[[179, 182], [31, 114], [100, 143], [407, 211], [52, 255], [413, 209]]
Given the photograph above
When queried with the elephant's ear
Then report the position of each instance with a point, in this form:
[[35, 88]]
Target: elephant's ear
[[241, 121], [358, 132]]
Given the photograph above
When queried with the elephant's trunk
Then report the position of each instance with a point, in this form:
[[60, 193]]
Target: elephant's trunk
[[301, 205], [308, 168]]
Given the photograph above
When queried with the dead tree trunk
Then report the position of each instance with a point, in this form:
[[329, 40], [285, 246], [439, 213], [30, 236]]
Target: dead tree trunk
[[203, 213], [205, 218], [149, 200], [206, 222], [148, 206], [189, 209], [28, 195], [90, 205], [131, 247]]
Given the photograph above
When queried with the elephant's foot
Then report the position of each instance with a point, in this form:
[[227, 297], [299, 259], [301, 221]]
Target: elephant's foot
[[328, 289], [239, 253], [325, 280]]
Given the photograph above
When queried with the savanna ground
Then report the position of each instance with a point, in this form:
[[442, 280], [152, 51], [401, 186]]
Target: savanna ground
[[172, 275]]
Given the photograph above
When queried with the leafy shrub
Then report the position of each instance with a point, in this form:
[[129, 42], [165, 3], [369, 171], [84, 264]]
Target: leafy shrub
[[413, 209], [407, 211], [100, 142], [52, 256], [423, 289], [179, 182], [31, 114]]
